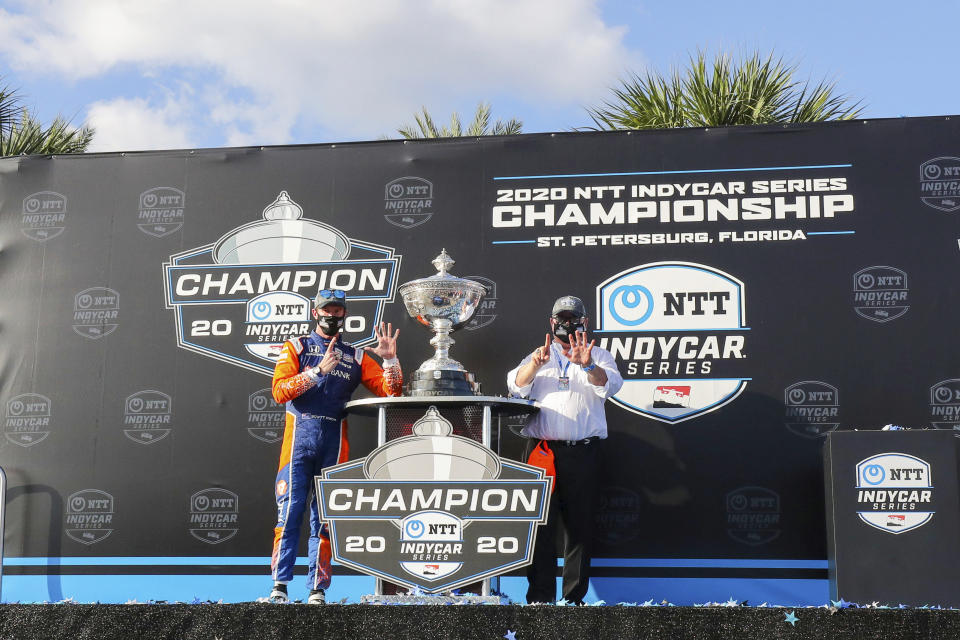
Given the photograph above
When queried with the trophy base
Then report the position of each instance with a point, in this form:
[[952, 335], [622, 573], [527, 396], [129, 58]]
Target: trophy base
[[442, 383]]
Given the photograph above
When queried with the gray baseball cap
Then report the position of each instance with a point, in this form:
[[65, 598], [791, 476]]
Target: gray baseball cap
[[572, 304], [330, 296]]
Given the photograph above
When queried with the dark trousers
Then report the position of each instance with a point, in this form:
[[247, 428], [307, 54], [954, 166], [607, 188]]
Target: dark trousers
[[572, 505]]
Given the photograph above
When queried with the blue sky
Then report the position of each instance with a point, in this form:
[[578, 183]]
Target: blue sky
[[209, 73]]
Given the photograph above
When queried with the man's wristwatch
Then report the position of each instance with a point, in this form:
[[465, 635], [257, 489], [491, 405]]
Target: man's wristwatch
[[590, 367]]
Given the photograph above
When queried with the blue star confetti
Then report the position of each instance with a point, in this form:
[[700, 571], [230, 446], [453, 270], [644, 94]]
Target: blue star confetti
[[792, 619], [510, 635]]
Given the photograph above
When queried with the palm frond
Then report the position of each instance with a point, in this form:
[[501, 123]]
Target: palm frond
[[721, 91], [479, 126], [30, 137], [10, 109], [23, 134]]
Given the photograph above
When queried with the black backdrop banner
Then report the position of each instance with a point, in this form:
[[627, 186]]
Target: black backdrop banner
[[759, 286]]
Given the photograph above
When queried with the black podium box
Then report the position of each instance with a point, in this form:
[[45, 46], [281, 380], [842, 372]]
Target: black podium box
[[893, 517]]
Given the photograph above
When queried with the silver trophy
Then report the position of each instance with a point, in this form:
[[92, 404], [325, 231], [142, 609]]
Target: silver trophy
[[444, 303]]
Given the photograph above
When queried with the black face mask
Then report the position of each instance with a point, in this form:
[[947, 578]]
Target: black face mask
[[330, 325], [563, 330]]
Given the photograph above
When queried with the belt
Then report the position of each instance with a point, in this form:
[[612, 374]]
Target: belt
[[573, 443]]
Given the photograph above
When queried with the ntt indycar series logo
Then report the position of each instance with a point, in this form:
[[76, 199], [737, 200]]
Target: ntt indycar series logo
[[945, 404], [408, 201], [812, 408], [880, 293], [677, 330], [95, 312], [161, 211], [265, 418], [432, 510], [753, 515], [894, 492], [940, 183], [487, 311], [213, 515], [28, 419], [44, 215], [89, 517], [240, 298], [619, 516], [146, 416]]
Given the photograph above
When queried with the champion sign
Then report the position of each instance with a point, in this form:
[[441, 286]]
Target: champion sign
[[677, 330], [240, 298], [433, 511], [894, 492]]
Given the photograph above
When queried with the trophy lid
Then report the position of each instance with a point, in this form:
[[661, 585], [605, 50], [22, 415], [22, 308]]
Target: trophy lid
[[443, 278]]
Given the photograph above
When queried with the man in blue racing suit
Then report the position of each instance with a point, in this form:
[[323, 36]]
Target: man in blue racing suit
[[315, 376]]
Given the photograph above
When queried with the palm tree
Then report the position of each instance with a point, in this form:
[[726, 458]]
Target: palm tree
[[480, 126], [721, 92], [23, 134]]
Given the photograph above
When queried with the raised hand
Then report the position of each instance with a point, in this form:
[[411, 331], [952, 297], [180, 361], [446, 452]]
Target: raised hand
[[330, 358], [580, 349], [541, 355], [386, 343]]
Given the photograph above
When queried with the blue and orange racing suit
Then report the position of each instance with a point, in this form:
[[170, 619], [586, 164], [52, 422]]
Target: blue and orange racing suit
[[315, 437]]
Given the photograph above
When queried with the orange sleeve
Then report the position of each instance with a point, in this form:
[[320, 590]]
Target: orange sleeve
[[383, 382], [288, 381]]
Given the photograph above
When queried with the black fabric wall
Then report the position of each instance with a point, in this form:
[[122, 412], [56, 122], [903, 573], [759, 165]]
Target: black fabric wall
[[818, 294]]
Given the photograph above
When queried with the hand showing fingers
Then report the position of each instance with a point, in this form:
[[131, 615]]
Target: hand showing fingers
[[330, 358], [580, 350], [542, 354], [386, 341]]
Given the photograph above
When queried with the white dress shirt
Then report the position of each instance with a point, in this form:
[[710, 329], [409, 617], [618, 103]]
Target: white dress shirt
[[572, 414]]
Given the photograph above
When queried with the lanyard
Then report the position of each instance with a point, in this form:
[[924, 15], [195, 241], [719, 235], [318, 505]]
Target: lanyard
[[566, 365]]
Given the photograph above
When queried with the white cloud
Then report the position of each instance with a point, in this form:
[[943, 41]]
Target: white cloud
[[124, 124], [360, 68]]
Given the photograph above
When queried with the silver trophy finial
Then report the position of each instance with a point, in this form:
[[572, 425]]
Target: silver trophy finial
[[443, 262]]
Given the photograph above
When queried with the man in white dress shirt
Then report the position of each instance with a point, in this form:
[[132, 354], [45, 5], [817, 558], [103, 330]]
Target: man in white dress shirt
[[571, 379]]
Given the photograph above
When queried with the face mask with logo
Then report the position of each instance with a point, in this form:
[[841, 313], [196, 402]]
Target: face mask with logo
[[564, 329], [330, 325]]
